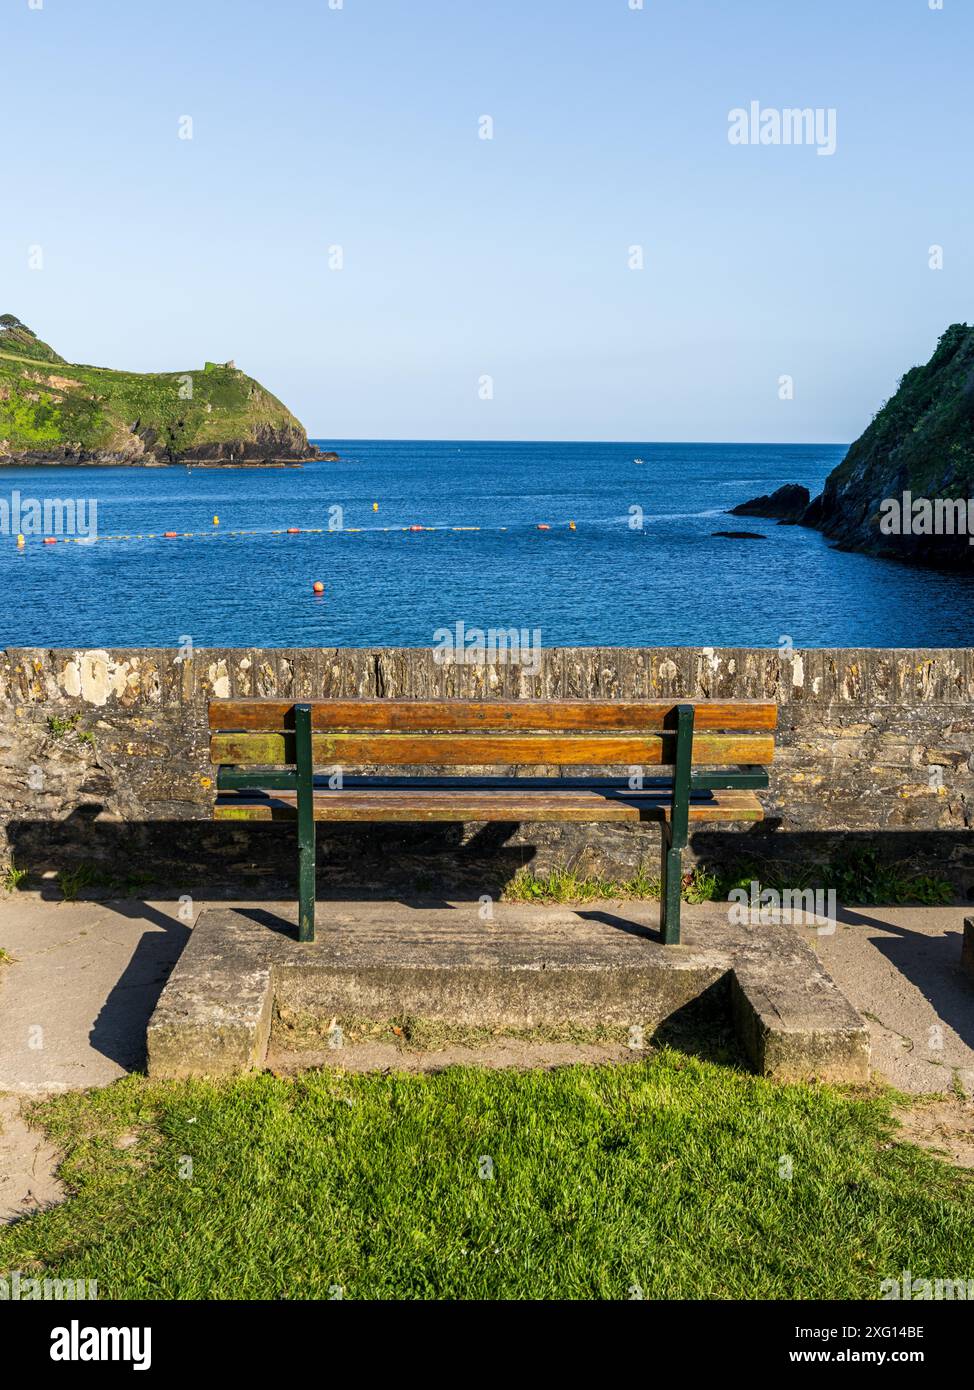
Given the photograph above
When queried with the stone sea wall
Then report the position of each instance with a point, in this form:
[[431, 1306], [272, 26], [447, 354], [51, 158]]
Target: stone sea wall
[[104, 764]]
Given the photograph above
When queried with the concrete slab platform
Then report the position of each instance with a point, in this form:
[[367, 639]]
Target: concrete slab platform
[[530, 967]]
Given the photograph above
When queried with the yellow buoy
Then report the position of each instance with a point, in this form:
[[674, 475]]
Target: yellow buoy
[[20, 542], [571, 526], [216, 521], [375, 506]]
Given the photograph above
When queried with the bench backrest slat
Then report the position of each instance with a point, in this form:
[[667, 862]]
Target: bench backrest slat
[[480, 750], [520, 716]]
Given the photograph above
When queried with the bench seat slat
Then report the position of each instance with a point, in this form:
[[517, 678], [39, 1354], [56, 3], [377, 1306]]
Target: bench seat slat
[[280, 779], [489, 715], [482, 750], [483, 805]]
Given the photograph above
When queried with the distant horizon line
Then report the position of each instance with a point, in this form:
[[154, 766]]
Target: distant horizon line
[[635, 443]]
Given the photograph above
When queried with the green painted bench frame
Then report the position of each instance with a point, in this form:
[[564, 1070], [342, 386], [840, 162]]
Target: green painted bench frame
[[683, 786]]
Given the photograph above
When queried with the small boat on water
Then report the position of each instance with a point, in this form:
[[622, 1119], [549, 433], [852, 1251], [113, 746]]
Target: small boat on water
[[639, 460]]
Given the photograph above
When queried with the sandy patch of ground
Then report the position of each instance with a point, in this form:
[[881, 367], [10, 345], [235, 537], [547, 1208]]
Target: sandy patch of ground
[[943, 1126], [27, 1165]]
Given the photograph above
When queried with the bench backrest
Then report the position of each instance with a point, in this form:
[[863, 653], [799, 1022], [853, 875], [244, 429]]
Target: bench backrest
[[477, 733]]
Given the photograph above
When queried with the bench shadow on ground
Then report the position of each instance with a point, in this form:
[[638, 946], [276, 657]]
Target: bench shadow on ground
[[214, 861], [119, 1030]]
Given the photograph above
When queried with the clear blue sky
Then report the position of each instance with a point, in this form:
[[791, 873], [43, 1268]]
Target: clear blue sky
[[358, 127]]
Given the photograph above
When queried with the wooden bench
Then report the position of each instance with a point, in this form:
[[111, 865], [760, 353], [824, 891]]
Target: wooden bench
[[267, 752]]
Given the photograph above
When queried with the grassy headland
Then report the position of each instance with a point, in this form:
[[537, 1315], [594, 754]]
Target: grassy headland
[[52, 411]]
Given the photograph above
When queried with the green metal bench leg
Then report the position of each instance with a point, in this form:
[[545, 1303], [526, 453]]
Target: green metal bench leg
[[304, 769], [671, 885], [676, 832]]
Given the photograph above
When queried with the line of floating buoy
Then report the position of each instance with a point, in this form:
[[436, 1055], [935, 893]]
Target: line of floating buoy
[[290, 531]]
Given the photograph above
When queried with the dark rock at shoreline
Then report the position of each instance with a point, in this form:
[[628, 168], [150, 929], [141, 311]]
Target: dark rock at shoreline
[[235, 454], [740, 535], [787, 504], [813, 513], [267, 447], [239, 454]]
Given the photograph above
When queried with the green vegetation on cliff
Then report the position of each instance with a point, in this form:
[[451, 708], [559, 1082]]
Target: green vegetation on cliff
[[921, 441], [17, 340], [52, 411]]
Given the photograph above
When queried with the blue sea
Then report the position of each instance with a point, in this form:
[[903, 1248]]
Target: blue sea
[[640, 568]]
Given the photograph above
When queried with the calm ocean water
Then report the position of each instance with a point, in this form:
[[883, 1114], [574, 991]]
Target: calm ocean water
[[606, 583]]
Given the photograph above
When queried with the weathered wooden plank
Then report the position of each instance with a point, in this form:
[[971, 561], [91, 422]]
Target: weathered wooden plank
[[454, 806], [479, 750], [521, 715]]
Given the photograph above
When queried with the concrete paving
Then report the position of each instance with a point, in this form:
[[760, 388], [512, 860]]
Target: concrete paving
[[85, 977], [74, 1003], [901, 968], [89, 976]]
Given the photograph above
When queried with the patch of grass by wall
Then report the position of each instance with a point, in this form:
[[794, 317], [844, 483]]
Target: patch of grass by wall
[[12, 877], [862, 878]]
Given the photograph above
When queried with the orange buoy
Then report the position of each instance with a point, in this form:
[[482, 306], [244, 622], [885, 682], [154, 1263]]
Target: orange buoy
[[170, 535], [318, 587], [543, 526], [417, 528], [49, 540], [294, 530]]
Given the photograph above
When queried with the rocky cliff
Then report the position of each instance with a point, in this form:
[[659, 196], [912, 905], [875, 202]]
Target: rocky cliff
[[904, 489], [54, 412]]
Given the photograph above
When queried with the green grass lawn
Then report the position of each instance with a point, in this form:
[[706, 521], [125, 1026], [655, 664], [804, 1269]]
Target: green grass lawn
[[670, 1175]]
